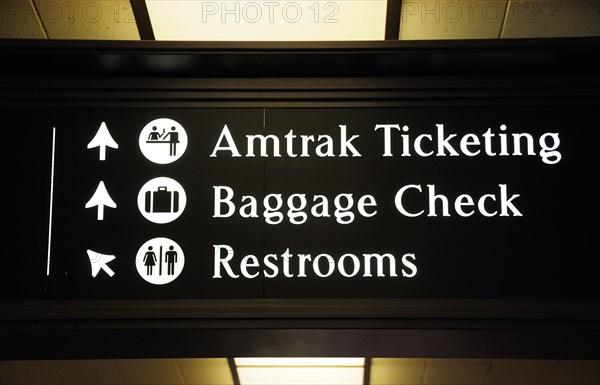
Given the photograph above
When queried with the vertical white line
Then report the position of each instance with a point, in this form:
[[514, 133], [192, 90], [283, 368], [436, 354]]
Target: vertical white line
[[51, 201]]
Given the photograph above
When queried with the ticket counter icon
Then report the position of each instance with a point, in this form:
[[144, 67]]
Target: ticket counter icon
[[163, 141]]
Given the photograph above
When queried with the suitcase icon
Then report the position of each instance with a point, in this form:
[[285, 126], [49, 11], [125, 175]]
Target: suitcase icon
[[161, 201]]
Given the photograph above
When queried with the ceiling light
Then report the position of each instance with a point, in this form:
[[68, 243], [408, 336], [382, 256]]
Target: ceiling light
[[268, 20], [300, 371], [300, 361]]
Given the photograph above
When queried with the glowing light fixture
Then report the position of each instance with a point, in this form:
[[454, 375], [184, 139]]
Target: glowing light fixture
[[300, 371], [269, 20]]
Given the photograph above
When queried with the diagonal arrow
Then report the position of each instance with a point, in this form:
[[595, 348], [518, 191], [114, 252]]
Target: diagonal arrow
[[99, 262], [101, 198], [102, 139]]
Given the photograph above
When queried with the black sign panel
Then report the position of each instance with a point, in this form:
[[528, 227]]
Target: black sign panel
[[300, 203]]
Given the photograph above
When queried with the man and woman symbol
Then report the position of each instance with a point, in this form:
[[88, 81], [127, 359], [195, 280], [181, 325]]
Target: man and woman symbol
[[159, 261], [170, 259]]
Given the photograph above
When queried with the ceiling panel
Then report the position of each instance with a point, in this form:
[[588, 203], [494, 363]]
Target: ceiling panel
[[87, 372], [575, 373], [215, 371], [205, 371], [519, 372], [248, 20], [28, 372], [150, 372], [18, 20], [435, 20], [397, 371], [455, 372], [552, 18], [91, 20]]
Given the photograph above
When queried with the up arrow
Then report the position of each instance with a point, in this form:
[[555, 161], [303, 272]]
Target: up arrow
[[99, 262], [100, 199], [102, 139]]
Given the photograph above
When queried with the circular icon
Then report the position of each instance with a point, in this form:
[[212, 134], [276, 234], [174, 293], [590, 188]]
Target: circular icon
[[163, 141], [161, 200], [159, 261]]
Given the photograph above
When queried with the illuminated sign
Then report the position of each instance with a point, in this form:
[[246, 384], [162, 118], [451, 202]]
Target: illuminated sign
[[311, 202]]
